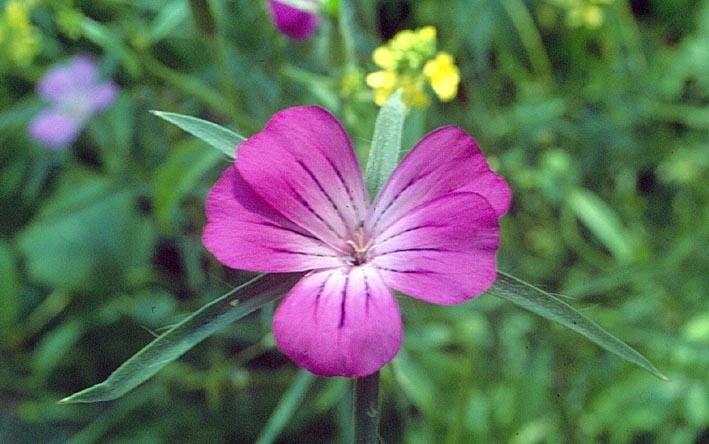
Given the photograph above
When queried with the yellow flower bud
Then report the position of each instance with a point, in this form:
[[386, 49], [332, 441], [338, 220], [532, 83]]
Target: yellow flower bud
[[22, 39], [383, 83], [443, 75], [428, 33], [384, 58]]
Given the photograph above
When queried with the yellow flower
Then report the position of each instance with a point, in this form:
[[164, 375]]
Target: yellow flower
[[443, 75], [409, 61], [412, 92], [385, 58], [383, 83], [428, 34], [22, 38], [69, 21], [351, 83]]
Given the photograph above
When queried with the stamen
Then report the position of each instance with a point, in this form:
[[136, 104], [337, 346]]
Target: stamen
[[360, 249]]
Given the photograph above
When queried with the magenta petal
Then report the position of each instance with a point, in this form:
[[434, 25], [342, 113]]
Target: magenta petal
[[341, 322], [441, 252], [54, 129], [303, 165], [244, 232], [293, 22], [444, 161]]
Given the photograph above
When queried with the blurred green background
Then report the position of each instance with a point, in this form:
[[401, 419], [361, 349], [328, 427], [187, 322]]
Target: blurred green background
[[595, 111]]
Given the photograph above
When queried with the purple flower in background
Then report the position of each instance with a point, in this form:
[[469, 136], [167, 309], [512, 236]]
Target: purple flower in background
[[295, 200], [295, 18], [74, 93]]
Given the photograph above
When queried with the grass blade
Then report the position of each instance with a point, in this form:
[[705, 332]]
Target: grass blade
[[225, 140], [539, 302], [169, 346]]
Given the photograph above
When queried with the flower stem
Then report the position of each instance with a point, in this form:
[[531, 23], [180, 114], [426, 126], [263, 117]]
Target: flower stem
[[366, 405]]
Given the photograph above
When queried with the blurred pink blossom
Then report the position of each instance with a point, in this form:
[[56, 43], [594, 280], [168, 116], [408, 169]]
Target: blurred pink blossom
[[74, 93], [297, 19]]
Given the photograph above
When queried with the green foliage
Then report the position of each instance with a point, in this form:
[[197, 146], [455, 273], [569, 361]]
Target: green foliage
[[218, 137], [601, 132], [547, 306], [172, 344], [383, 156]]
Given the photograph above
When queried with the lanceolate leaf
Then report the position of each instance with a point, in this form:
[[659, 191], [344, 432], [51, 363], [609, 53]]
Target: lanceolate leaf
[[185, 335], [602, 221], [386, 143], [547, 306], [289, 404], [223, 139]]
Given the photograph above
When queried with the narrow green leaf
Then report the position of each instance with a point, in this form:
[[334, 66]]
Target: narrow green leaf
[[290, 402], [603, 222], [547, 306], [10, 295], [178, 176], [172, 344], [223, 139], [170, 18], [203, 17], [386, 143], [112, 41]]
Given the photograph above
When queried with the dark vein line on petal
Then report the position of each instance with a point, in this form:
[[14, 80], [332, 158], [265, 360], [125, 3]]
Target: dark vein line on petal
[[394, 270], [408, 230], [292, 230], [302, 253], [321, 289], [366, 292], [324, 192], [344, 184], [396, 197], [344, 300], [409, 250], [310, 209]]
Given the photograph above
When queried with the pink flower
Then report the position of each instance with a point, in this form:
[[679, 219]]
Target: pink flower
[[295, 200], [298, 23], [74, 93]]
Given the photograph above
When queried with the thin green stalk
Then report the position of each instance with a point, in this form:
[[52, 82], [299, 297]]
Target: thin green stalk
[[227, 84], [456, 431], [218, 41], [194, 88], [185, 83], [629, 33], [286, 407], [529, 36], [345, 26], [366, 405]]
